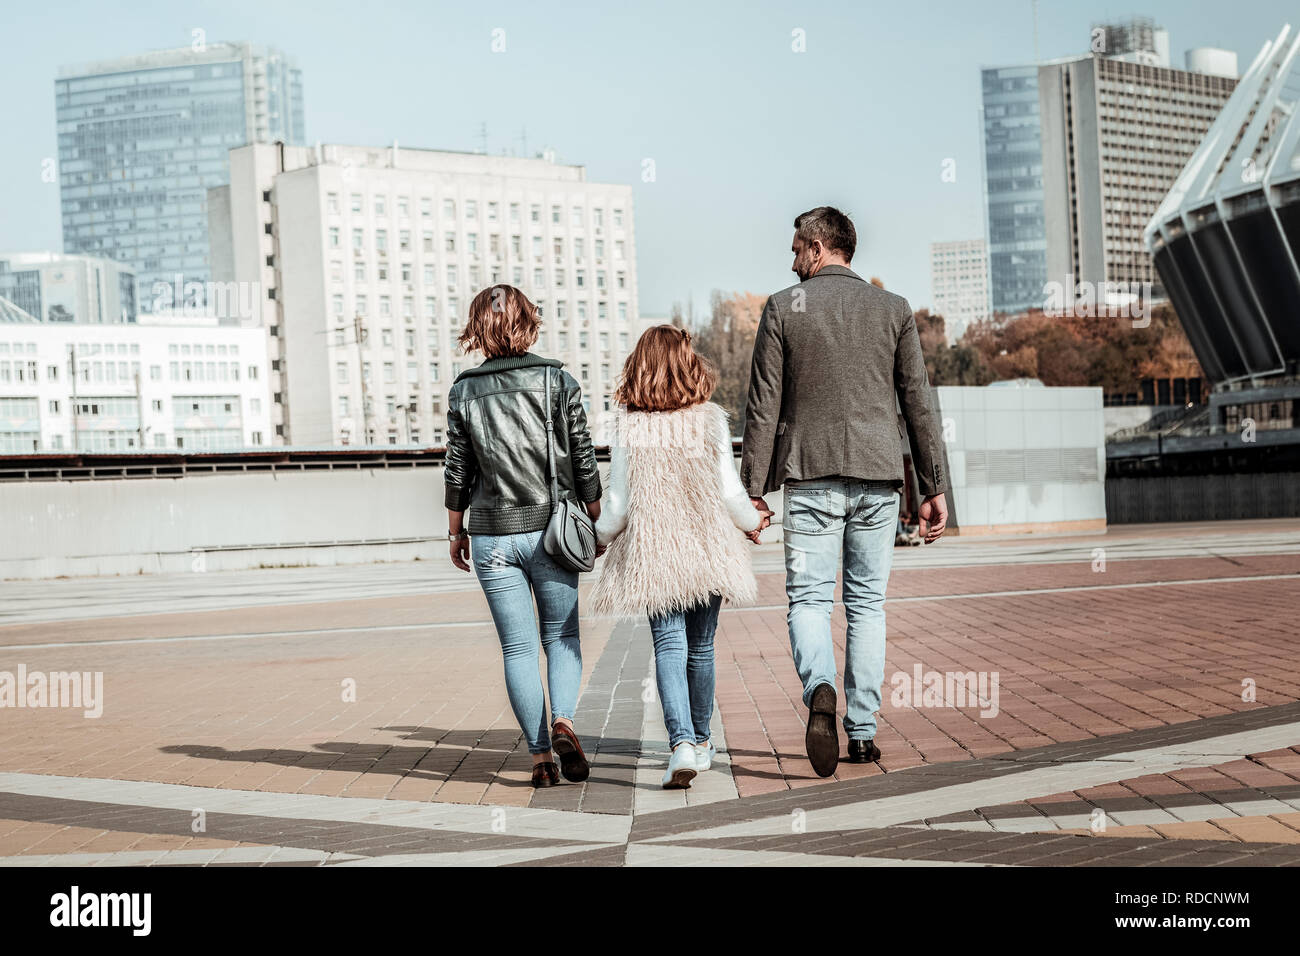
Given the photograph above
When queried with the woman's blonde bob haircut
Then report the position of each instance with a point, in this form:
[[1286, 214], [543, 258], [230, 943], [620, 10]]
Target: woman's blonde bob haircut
[[663, 373], [502, 321]]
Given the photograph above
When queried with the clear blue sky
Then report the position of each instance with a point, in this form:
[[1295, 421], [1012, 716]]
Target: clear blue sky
[[744, 133]]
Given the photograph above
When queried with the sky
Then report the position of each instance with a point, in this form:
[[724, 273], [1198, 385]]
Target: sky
[[742, 131]]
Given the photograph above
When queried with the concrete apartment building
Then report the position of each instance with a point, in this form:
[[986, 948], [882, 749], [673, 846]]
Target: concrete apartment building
[[367, 259], [959, 288], [123, 387], [1115, 135], [1079, 152]]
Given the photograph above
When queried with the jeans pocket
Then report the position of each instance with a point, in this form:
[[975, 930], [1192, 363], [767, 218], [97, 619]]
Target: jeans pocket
[[808, 511]]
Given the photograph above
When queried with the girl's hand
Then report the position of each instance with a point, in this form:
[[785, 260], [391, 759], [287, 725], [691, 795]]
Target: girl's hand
[[754, 535]]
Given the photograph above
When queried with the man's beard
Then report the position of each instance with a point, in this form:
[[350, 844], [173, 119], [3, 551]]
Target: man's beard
[[803, 268]]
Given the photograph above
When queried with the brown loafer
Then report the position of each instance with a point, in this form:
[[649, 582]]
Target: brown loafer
[[545, 775], [573, 762]]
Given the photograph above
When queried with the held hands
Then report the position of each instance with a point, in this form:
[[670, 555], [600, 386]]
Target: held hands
[[934, 517], [765, 518]]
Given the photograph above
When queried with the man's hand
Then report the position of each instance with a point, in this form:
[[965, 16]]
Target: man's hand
[[761, 506], [600, 549], [755, 534], [460, 552], [934, 517], [593, 509]]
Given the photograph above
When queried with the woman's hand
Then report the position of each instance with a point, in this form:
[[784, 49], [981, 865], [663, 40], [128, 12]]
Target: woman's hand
[[755, 535], [460, 552]]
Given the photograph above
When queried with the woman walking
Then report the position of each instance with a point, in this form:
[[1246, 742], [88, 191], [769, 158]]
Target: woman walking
[[670, 522], [496, 467]]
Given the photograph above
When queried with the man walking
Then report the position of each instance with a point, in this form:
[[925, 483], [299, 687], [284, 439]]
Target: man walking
[[835, 357]]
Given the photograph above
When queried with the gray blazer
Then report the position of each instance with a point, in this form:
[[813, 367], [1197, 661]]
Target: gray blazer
[[830, 356]]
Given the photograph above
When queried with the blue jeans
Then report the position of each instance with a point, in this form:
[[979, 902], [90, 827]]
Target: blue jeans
[[513, 569], [823, 517], [684, 669]]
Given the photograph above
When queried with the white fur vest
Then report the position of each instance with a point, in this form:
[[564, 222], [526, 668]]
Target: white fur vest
[[679, 545]]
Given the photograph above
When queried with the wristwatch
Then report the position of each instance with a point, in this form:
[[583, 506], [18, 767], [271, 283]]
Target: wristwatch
[[456, 537]]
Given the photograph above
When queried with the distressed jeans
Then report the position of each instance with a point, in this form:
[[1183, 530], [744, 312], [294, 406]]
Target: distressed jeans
[[824, 518], [514, 569]]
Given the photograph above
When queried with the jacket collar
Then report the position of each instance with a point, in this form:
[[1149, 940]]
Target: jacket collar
[[506, 362], [836, 271]]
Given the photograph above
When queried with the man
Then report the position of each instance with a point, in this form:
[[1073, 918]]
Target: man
[[835, 357]]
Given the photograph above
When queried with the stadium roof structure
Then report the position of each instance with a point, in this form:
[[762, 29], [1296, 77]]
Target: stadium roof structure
[[1226, 239]]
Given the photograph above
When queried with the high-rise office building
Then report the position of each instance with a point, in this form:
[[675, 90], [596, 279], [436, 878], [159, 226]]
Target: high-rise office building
[[366, 259], [959, 284], [1013, 185], [142, 138], [1079, 151], [68, 288], [1115, 135]]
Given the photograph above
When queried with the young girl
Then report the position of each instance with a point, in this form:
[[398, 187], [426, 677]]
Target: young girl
[[670, 521]]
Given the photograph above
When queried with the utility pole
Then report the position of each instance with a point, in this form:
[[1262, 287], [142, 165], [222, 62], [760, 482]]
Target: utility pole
[[139, 412], [72, 364], [359, 331]]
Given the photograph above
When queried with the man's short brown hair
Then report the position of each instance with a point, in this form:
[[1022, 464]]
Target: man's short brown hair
[[502, 321], [829, 226]]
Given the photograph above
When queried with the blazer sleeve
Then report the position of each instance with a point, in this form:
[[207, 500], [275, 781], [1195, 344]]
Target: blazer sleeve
[[582, 453], [913, 387], [763, 405], [460, 468]]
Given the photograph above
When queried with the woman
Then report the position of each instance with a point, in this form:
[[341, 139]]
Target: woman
[[496, 467], [675, 502]]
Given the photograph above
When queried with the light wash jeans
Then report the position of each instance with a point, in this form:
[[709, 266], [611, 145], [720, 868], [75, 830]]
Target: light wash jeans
[[823, 517], [513, 569], [684, 669]]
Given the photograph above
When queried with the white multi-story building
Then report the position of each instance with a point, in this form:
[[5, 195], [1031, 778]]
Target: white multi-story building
[[369, 257], [959, 288], [135, 387], [54, 287]]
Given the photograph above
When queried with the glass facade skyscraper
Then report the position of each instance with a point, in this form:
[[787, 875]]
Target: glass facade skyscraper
[[1013, 175], [141, 140]]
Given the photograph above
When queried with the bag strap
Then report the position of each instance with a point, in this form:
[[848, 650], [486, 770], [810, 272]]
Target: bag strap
[[550, 444]]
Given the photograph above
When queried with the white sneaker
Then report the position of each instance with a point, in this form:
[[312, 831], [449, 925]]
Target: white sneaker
[[681, 767], [704, 754]]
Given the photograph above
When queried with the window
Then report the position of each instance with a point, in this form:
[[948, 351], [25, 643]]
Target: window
[[404, 240], [426, 241], [598, 217], [379, 206], [341, 373], [344, 411], [514, 212], [356, 202], [449, 242], [426, 207], [430, 307], [403, 207], [359, 271], [471, 208], [491, 212], [334, 237], [358, 237], [471, 243], [555, 215], [449, 208], [618, 218], [332, 202], [535, 213], [575, 216], [338, 304]]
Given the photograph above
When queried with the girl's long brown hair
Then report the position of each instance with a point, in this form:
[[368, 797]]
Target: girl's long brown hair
[[664, 373]]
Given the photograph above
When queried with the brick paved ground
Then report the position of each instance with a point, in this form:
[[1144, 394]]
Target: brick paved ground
[[1120, 713]]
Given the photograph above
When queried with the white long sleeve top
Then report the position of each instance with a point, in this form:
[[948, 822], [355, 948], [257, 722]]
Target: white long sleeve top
[[613, 510]]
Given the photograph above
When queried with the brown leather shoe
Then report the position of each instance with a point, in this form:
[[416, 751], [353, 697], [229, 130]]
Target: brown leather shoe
[[821, 739], [545, 775], [573, 762]]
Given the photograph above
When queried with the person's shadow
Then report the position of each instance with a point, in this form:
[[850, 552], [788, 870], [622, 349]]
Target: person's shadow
[[435, 754]]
